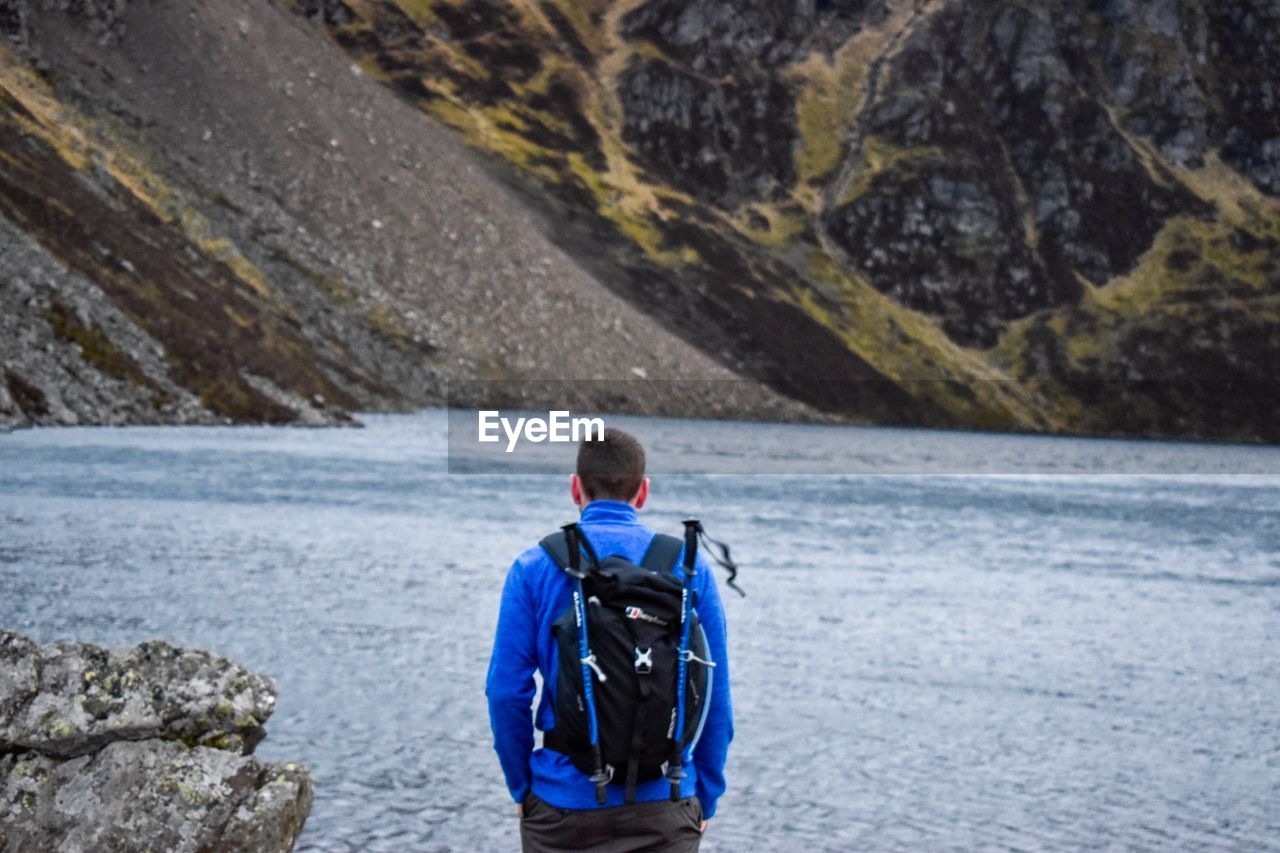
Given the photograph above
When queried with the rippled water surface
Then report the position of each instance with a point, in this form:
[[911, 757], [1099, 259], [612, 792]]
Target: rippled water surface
[[933, 662]]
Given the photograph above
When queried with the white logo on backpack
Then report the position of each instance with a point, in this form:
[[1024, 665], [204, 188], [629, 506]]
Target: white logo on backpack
[[637, 613]]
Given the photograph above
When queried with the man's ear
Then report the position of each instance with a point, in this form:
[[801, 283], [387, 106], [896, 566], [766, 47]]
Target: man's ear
[[575, 490], [642, 494]]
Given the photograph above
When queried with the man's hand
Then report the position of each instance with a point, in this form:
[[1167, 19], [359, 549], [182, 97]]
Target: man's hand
[[703, 828], [520, 813]]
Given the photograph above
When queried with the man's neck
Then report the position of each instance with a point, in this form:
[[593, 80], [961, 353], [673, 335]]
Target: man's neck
[[605, 511]]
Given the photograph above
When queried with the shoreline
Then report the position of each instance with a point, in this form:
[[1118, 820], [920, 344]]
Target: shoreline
[[356, 422]]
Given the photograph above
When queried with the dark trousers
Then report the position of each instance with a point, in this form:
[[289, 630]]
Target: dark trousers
[[660, 826]]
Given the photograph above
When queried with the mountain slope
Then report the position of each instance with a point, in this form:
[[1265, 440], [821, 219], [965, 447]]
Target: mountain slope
[[205, 214], [1045, 215]]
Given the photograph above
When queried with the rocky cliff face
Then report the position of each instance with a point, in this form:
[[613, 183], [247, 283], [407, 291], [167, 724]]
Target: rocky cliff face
[[1049, 214], [142, 748]]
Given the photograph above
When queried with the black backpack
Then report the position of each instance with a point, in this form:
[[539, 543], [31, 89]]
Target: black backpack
[[624, 645]]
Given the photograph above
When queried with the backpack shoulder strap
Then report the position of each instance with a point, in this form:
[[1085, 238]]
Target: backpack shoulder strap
[[557, 548], [662, 553]]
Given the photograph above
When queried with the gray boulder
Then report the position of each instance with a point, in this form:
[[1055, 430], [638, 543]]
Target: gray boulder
[[143, 747], [71, 699]]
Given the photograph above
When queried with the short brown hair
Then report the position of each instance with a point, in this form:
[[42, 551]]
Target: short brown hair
[[611, 468]]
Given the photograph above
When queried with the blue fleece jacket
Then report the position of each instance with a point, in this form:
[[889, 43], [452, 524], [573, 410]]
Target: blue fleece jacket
[[536, 593]]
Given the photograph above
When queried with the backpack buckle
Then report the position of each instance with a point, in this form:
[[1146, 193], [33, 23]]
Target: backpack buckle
[[644, 660]]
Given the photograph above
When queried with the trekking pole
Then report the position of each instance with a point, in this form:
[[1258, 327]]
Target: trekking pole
[[675, 773], [600, 778]]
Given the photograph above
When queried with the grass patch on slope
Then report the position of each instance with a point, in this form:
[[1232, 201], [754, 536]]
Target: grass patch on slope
[[912, 349]]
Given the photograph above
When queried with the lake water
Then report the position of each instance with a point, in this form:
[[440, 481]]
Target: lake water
[[1057, 657]]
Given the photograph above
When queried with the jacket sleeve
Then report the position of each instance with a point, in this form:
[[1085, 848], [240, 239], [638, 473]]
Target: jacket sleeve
[[510, 685], [713, 746]]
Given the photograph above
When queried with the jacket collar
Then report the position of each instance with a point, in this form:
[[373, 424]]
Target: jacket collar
[[608, 512]]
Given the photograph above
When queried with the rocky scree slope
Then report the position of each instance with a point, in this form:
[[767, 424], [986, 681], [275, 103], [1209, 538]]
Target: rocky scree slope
[[139, 748], [207, 215], [1048, 215]]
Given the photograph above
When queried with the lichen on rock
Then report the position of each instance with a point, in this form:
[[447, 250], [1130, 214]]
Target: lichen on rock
[[72, 699], [143, 747]]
